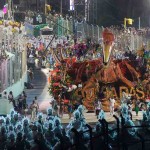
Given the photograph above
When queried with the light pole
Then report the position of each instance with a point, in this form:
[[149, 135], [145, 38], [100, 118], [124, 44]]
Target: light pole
[[37, 5], [45, 8], [139, 23], [61, 7]]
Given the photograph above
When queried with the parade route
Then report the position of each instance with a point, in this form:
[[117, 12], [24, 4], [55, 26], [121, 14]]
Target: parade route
[[40, 90]]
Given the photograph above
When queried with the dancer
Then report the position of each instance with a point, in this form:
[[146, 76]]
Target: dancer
[[137, 107], [98, 107], [30, 75], [130, 109], [112, 104], [70, 109], [54, 106], [61, 109], [34, 109], [11, 99], [24, 96]]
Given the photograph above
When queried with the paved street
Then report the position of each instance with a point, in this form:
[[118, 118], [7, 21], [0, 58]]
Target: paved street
[[40, 90]]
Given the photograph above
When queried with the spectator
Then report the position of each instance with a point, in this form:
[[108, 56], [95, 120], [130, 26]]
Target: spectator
[[30, 75], [5, 95], [20, 103]]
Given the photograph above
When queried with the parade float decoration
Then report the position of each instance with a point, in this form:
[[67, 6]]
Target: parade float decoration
[[102, 77], [55, 79]]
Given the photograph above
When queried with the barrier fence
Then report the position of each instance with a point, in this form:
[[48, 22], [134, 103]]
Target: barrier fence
[[13, 66], [126, 39], [131, 38], [102, 140]]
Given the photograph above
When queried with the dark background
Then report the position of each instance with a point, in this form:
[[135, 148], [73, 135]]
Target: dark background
[[2, 3], [104, 13], [112, 12]]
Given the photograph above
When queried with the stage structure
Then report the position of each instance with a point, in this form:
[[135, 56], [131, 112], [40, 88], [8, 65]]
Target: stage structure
[[85, 9], [91, 11]]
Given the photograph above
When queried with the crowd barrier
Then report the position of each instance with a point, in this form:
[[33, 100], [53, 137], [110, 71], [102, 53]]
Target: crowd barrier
[[13, 67], [129, 38], [125, 39], [120, 143]]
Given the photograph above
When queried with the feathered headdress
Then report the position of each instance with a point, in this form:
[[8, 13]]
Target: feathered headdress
[[26, 121], [49, 111], [40, 115], [2, 120]]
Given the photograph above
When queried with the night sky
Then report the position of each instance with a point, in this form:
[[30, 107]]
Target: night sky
[[109, 12], [114, 11]]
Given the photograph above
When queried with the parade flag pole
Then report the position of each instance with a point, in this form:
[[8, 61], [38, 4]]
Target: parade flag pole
[[45, 7]]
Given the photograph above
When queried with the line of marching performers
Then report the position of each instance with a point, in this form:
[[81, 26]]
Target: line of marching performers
[[64, 102], [67, 103]]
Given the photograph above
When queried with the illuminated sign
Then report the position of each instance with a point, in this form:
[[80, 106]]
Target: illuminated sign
[[71, 4]]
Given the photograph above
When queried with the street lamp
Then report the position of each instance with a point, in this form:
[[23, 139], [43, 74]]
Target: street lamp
[[61, 7]]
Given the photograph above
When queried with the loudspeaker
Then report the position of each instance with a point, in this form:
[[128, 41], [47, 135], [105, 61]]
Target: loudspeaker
[[19, 16], [16, 2]]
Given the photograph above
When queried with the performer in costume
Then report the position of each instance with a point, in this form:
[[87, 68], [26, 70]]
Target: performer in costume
[[112, 105], [98, 107], [67, 91], [34, 109]]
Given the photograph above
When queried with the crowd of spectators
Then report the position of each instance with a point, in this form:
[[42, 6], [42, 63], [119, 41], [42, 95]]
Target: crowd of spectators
[[48, 133]]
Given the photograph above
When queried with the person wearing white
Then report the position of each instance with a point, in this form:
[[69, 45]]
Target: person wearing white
[[34, 109], [101, 115], [112, 105], [37, 63]]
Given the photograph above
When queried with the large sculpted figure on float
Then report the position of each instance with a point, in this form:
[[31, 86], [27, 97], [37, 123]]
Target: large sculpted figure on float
[[112, 71]]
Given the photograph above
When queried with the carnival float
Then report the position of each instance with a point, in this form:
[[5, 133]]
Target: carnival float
[[100, 78]]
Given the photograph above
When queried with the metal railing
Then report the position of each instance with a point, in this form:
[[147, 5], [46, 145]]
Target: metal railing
[[120, 143], [14, 66]]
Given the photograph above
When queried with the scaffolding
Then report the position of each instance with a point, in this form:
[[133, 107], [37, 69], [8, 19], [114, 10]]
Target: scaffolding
[[92, 5], [87, 9]]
